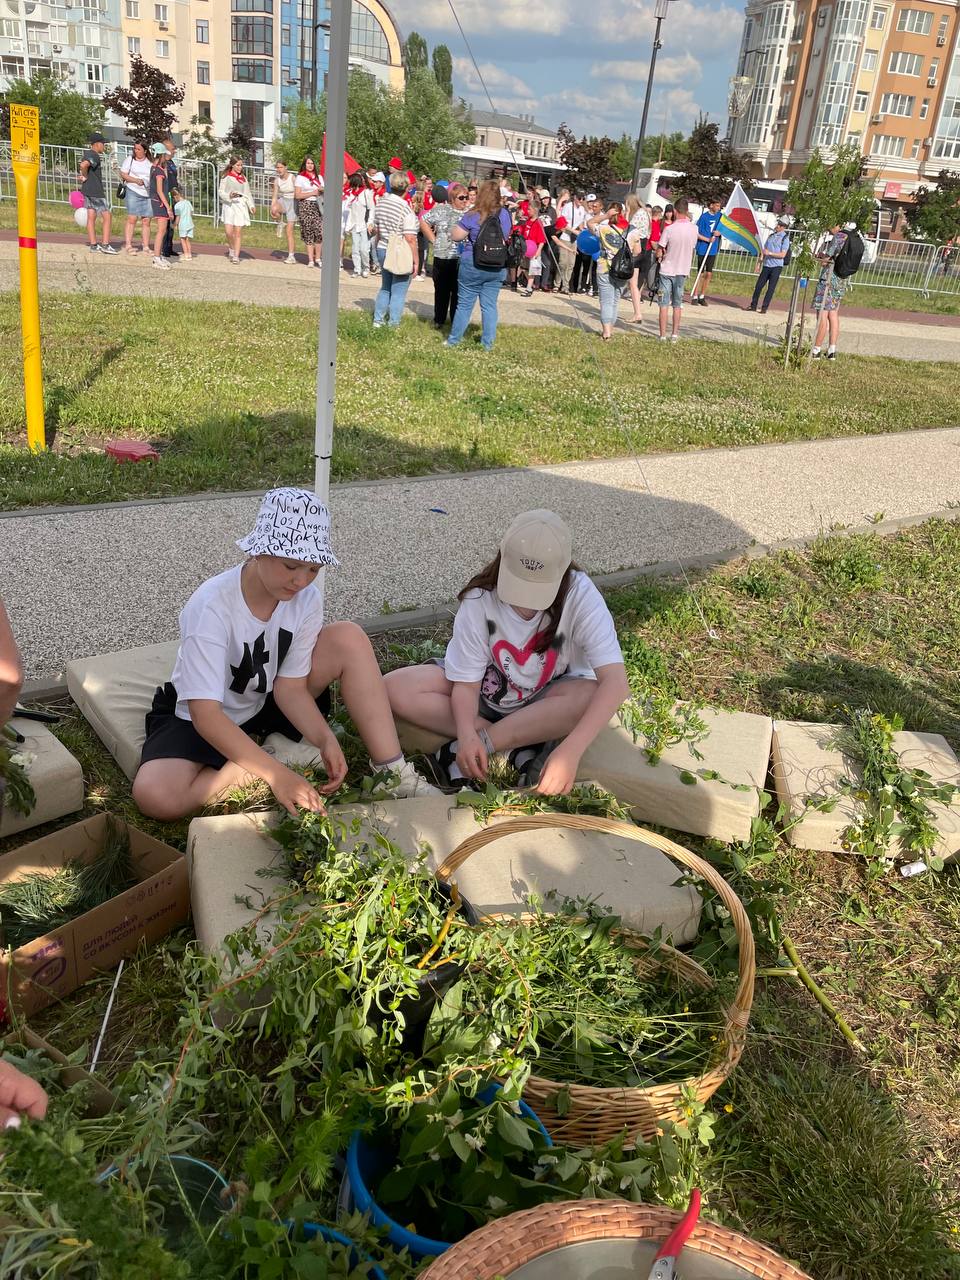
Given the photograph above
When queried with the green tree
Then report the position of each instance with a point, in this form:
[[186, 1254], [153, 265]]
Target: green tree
[[146, 103], [935, 212], [415, 52], [67, 118], [712, 166], [239, 141], [432, 128], [622, 157], [589, 160], [200, 143], [443, 69], [825, 195]]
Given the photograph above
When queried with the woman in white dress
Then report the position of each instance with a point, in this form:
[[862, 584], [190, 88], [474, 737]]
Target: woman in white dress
[[236, 205]]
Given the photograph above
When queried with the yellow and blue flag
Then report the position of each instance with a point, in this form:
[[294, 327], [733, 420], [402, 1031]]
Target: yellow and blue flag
[[738, 222]]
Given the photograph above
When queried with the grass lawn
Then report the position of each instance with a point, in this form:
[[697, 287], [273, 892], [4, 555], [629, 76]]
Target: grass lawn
[[226, 394], [846, 1163]]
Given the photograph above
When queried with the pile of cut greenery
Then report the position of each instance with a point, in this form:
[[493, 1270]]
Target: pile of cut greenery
[[36, 903]]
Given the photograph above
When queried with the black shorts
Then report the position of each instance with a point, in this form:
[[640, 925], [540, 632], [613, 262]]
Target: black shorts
[[711, 259], [170, 738]]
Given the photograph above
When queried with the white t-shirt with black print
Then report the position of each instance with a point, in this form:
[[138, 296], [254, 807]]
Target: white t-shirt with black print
[[493, 644], [229, 656]]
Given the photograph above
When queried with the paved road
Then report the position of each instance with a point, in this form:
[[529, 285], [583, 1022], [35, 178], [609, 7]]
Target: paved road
[[70, 268], [98, 579]]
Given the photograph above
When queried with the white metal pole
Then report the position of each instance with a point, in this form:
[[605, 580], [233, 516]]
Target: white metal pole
[[330, 258]]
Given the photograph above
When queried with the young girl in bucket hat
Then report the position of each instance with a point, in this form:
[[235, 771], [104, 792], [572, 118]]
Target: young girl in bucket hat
[[533, 669], [255, 658]]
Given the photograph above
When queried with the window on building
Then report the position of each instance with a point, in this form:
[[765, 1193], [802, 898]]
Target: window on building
[[481, 139], [10, 28], [252, 6], [253, 70], [160, 12], [924, 108], [855, 138], [133, 46], [860, 101], [162, 48], [897, 104], [869, 60], [942, 30], [918, 21], [285, 35], [203, 110], [203, 73], [885, 144], [799, 23], [252, 35], [132, 8], [791, 71], [934, 68], [250, 115], [878, 19], [95, 78], [905, 64], [915, 149], [12, 67], [368, 39], [202, 27]]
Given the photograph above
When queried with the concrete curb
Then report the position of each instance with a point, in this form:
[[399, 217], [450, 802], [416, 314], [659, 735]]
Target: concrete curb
[[39, 691]]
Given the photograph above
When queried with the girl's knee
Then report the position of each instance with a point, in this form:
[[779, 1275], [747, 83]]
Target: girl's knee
[[154, 799]]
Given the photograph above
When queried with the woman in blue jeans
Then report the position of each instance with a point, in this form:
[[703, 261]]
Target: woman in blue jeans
[[476, 282], [393, 217]]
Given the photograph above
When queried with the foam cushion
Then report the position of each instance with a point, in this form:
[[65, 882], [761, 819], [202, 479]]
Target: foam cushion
[[808, 763], [736, 746], [54, 774], [114, 692], [225, 854]]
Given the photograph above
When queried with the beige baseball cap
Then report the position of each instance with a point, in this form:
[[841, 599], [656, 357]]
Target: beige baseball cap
[[534, 555]]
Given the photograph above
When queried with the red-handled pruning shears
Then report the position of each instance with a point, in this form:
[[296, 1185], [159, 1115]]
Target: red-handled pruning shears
[[665, 1263]]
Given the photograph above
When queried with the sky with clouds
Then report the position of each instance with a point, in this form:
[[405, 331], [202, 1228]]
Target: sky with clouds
[[586, 61]]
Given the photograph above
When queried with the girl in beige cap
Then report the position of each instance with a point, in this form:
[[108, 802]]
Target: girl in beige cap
[[533, 668]]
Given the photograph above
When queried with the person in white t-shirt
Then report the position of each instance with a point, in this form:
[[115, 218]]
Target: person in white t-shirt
[[255, 658], [533, 668]]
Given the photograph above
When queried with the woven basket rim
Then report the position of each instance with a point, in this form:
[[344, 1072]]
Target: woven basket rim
[[736, 1013]]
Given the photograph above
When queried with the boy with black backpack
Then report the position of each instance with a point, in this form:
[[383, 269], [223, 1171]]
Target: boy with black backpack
[[839, 262]]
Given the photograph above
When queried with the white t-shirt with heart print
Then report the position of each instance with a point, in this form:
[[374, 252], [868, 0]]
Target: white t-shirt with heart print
[[493, 644]]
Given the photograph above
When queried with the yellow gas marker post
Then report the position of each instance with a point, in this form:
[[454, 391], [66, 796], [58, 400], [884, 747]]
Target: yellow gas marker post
[[25, 146]]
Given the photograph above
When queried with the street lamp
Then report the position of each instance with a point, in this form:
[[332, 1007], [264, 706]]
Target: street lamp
[[323, 25], [660, 12]]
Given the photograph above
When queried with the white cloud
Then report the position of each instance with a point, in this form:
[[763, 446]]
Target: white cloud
[[509, 92], [684, 69], [477, 19]]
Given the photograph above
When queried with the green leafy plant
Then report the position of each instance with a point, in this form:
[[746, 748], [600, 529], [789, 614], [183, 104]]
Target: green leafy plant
[[585, 797], [15, 786]]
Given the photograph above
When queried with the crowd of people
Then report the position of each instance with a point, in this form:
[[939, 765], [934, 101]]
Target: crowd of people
[[473, 238]]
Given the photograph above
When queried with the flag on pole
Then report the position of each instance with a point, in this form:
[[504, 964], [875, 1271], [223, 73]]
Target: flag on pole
[[350, 165], [738, 222]]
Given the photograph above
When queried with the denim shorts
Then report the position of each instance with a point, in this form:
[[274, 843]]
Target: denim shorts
[[97, 203], [671, 291]]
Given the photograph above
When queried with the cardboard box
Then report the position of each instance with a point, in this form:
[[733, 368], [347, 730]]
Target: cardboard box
[[49, 968]]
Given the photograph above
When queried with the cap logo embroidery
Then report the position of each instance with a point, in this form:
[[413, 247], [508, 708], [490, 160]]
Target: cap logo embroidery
[[534, 566]]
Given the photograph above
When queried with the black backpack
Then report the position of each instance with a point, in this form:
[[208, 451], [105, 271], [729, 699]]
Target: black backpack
[[850, 256], [621, 264], [516, 249], [788, 256], [490, 248], [649, 268]]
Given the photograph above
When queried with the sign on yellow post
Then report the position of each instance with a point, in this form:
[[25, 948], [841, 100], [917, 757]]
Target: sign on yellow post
[[25, 147]]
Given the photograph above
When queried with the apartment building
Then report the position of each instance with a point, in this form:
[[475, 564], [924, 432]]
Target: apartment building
[[884, 74], [238, 60]]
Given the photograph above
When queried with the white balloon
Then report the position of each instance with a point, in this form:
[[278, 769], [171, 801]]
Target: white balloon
[[80, 218]]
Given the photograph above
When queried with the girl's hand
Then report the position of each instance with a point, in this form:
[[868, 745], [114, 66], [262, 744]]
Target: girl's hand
[[472, 758], [293, 791], [559, 773], [334, 763], [19, 1095]]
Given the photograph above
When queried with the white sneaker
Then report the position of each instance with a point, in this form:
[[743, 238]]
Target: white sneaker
[[161, 264], [411, 783], [674, 337], [364, 274], [290, 259]]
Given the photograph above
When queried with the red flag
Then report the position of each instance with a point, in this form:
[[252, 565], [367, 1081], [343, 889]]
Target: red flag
[[350, 165]]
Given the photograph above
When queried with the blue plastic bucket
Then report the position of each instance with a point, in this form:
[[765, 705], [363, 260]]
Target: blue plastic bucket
[[366, 1164]]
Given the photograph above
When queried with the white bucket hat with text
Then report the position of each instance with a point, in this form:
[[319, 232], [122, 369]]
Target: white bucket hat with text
[[293, 524]]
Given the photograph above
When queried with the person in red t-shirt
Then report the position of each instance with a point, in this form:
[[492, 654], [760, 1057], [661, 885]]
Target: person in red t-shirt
[[532, 231], [426, 186]]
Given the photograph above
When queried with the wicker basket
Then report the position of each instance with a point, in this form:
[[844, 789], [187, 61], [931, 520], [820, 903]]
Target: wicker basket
[[595, 1115], [500, 1247]]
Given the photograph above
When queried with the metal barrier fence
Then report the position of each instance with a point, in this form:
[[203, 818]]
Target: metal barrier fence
[[60, 175], [888, 264]]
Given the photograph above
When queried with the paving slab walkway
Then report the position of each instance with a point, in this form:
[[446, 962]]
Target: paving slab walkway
[[95, 579], [263, 279]]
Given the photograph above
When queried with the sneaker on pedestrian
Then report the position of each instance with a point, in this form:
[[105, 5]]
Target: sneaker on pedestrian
[[750, 308], [831, 353], [409, 783], [364, 275], [290, 259], [664, 338], [161, 264], [674, 337], [422, 275], [378, 324], [94, 248], [815, 353], [763, 311], [108, 248]]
